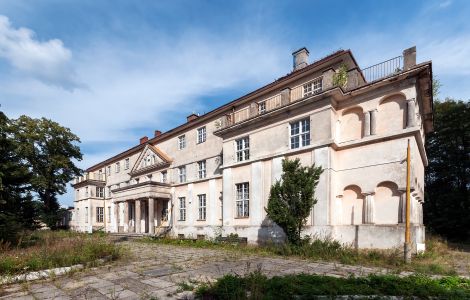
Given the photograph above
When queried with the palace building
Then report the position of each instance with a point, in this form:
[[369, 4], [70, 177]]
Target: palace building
[[212, 175]]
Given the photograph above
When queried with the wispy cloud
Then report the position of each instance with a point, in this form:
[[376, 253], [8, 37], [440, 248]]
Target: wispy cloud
[[47, 61]]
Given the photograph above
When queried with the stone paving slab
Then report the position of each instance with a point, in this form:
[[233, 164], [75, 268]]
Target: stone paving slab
[[158, 271]]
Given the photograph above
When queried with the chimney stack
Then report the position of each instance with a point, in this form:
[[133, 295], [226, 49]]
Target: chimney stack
[[300, 58], [409, 58], [192, 117], [158, 133], [144, 140]]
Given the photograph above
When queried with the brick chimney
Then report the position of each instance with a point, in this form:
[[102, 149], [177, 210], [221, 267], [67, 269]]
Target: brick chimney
[[144, 140], [158, 133], [192, 117], [409, 58], [300, 58]]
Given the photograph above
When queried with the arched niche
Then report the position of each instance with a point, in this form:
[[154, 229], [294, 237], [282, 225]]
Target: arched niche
[[391, 114], [387, 202], [351, 124], [352, 202]]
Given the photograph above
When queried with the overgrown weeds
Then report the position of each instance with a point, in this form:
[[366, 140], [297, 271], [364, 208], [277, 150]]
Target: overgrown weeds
[[438, 258], [41, 250], [302, 286]]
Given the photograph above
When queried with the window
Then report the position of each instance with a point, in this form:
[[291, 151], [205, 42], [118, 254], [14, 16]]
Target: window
[[109, 191], [182, 201], [243, 149], [86, 214], [313, 87], [109, 170], [201, 172], [86, 191], [164, 176], [100, 175], [262, 107], [201, 135], [182, 174], [243, 200], [99, 214], [202, 206], [181, 142], [300, 134], [99, 192], [126, 164], [118, 167], [109, 214]]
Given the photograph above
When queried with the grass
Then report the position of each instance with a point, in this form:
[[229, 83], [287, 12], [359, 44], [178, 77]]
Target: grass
[[42, 250], [438, 258], [302, 286]]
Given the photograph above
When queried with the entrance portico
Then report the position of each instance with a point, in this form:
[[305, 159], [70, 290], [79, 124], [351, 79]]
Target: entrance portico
[[142, 207]]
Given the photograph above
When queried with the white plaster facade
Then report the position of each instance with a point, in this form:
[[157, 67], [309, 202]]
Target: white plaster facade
[[199, 183]]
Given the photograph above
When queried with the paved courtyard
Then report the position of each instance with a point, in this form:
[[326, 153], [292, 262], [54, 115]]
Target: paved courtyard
[[160, 272]]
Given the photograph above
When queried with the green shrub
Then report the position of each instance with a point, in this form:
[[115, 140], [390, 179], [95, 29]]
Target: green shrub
[[258, 286]]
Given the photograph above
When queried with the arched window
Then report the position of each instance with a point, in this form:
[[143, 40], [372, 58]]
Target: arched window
[[351, 124], [351, 208], [387, 200], [391, 114]]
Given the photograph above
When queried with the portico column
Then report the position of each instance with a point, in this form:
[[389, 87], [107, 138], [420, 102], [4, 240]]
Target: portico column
[[373, 121], [402, 207], [126, 216], [410, 113], [366, 128], [116, 216], [137, 216], [368, 208], [151, 216]]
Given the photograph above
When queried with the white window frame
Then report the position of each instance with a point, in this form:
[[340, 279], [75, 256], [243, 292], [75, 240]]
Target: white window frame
[[262, 107], [86, 214], [182, 174], [182, 206], [201, 169], [164, 176], [181, 142], [242, 148], [300, 133], [99, 214], [201, 135], [312, 87], [118, 167], [202, 209], [109, 170], [86, 192], [109, 214], [126, 164], [99, 192], [242, 191]]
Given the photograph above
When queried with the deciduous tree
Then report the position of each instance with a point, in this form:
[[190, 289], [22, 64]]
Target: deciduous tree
[[50, 150]]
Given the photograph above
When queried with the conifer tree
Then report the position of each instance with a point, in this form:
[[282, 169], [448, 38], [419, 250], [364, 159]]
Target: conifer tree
[[292, 198]]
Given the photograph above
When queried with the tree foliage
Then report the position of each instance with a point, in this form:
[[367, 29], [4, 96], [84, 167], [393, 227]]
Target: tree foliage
[[36, 161], [50, 150], [447, 203], [292, 198], [16, 206]]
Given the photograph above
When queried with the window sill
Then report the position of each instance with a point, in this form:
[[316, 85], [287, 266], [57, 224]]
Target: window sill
[[201, 220], [242, 217]]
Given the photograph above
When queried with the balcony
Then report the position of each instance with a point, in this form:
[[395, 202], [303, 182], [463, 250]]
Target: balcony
[[95, 178], [353, 78]]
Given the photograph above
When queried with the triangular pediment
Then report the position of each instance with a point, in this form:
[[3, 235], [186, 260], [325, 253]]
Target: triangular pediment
[[149, 159]]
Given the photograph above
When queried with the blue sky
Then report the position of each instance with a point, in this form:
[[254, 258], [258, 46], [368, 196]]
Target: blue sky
[[114, 71]]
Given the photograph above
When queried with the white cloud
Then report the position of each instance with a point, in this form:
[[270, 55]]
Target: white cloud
[[47, 61]]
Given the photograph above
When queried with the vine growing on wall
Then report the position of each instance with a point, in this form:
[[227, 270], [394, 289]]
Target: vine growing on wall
[[340, 78]]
